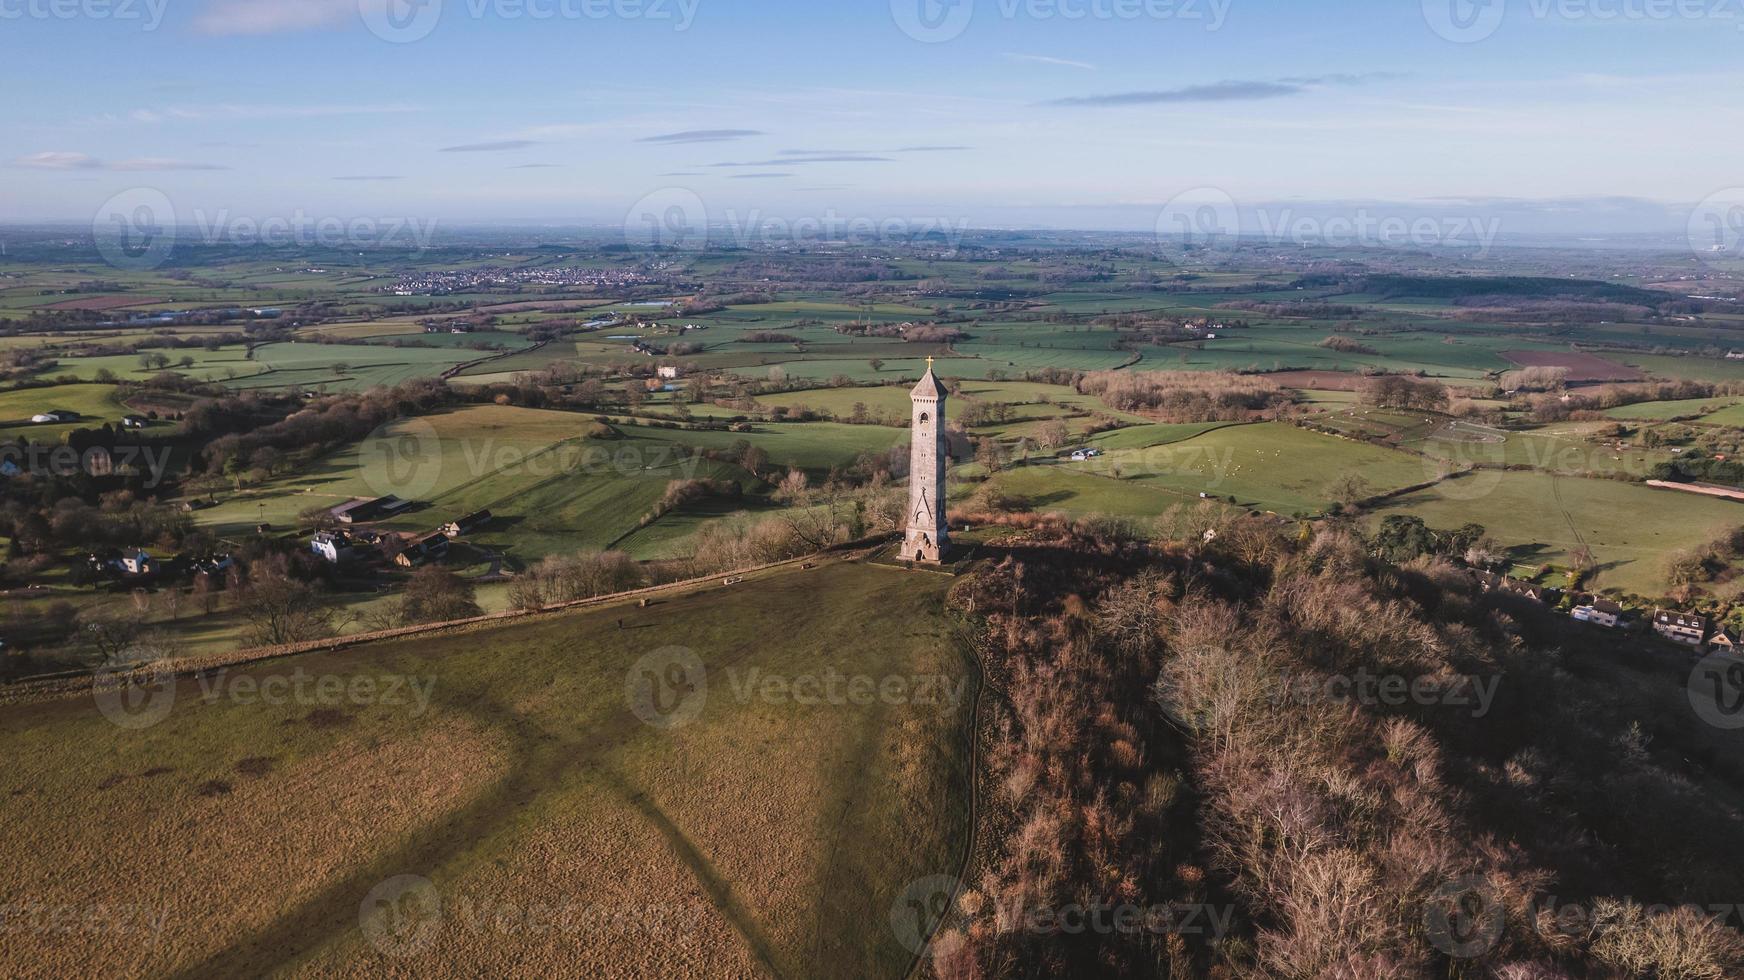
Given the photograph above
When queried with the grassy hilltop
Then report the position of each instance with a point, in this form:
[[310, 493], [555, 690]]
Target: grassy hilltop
[[767, 835]]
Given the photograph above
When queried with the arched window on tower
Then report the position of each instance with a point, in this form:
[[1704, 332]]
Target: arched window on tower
[[924, 416]]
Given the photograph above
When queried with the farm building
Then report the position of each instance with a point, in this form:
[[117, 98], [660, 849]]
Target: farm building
[[369, 510], [431, 548], [467, 524], [54, 415]]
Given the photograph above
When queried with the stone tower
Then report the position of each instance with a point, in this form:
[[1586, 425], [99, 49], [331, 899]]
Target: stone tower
[[927, 536]]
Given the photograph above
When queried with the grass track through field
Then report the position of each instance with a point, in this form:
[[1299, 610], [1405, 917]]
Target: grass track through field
[[1562, 507]]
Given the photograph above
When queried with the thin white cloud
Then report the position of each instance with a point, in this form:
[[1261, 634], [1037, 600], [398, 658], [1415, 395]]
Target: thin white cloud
[[702, 136], [240, 112], [58, 160], [494, 146], [1042, 59], [66, 160], [226, 18], [162, 163]]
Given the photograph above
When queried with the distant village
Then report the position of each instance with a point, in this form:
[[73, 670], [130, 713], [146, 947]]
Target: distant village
[[444, 282]]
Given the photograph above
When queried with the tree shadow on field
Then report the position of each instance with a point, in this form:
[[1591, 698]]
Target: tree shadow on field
[[720, 892]]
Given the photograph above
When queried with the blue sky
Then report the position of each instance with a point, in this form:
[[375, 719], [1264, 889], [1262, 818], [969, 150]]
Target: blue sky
[[1586, 113]]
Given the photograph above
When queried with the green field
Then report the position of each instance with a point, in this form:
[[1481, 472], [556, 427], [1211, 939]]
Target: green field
[[768, 834], [365, 365], [550, 489], [223, 364], [1630, 528], [892, 402], [1661, 411], [1265, 466], [95, 404]]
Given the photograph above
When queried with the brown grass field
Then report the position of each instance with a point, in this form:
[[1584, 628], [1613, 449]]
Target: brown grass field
[[559, 832], [1581, 367]]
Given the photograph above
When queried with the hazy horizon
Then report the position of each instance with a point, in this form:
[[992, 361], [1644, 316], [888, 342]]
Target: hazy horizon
[[1060, 114]]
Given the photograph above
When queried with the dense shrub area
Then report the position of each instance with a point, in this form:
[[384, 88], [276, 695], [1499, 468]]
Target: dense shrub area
[[1373, 771]]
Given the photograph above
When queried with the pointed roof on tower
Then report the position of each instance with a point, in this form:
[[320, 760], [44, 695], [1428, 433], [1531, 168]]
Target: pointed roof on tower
[[929, 386]]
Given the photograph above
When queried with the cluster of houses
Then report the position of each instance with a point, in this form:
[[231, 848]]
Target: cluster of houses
[[139, 567], [1688, 629], [347, 544]]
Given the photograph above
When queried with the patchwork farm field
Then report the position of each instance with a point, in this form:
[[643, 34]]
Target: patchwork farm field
[[551, 489], [506, 771], [420, 459]]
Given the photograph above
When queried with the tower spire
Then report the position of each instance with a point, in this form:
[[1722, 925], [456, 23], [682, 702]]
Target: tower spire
[[927, 535]]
